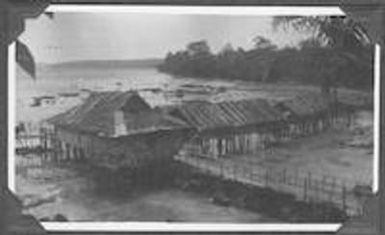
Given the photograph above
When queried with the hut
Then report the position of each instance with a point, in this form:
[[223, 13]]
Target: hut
[[311, 113], [231, 127], [117, 130]]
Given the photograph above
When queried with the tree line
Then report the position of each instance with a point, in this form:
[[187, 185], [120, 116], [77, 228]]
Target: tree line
[[334, 60]]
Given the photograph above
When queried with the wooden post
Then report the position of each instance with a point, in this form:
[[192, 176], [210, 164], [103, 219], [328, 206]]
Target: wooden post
[[235, 172], [221, 173], [305, 189], [344, 198], [323, 182], [316, 189], [251, 174], [267, 177], [68, 152], [332, 190], [309, 179]]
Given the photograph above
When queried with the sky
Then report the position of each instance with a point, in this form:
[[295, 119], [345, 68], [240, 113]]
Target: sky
[[118, 36]]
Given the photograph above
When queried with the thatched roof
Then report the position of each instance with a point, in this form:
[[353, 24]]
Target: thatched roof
[[306, 104], [152, 121], [356, 100], [96, 115], [205, 115]]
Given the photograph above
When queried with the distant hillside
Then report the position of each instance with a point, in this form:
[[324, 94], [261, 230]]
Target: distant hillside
[[109, 63]]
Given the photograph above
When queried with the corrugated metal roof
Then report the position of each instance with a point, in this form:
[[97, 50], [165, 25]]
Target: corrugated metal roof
[[96, 115], [205, 115]]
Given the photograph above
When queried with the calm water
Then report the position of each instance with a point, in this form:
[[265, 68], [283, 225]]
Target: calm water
[[51, 81], [157, 88]]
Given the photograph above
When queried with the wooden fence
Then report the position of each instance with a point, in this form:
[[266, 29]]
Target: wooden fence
[[304, 185]]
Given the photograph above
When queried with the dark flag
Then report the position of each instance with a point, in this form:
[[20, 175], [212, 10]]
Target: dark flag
[[25, 59]]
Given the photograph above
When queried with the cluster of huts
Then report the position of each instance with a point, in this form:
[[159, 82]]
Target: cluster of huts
[[252, 126], [116, 129]]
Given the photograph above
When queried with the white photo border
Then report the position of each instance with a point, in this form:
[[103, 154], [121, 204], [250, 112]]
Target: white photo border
[[175, 226]]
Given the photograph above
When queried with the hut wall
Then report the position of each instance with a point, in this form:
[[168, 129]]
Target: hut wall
[[310, 125], [93, 147], [217, 145], [133, 151], [253, 140]]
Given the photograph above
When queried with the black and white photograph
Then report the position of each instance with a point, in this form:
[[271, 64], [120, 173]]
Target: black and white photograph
[[194, 118]]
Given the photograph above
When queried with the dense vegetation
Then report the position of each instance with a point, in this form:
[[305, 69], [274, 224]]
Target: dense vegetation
[[317, 60]]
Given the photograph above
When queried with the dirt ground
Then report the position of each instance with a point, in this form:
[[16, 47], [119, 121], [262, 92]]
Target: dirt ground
[[345, 154], [47, 190]]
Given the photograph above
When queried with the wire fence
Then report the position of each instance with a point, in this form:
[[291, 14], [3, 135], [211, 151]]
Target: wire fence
[[304, 185]]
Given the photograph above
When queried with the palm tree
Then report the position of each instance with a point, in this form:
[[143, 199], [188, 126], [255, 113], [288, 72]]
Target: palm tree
[[337, 32], [345, 40]]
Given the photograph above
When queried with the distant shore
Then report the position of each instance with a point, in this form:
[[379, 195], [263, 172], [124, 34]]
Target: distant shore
[[131, 63]]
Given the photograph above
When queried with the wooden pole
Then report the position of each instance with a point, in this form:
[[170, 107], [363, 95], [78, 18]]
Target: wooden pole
[[309, 179], [316, 189], [344, 198], [251, 174], [324, 177], [235, 172], [305, 189], [221, 173], [332, 190], [267, 177]]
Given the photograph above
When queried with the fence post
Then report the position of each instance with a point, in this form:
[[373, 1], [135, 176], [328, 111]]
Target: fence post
[[45, 144], [235, 172], [267, 177], [305, 189], [344, 197], [309, 179], [251, 174], [323, 182], [332, 189], [316, 189], [221, 169]]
